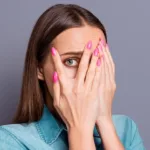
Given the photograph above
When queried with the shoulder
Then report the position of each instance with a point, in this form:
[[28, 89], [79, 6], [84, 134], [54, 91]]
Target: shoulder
[[125, 126], [123, 122], [8, 140], [128, 131], [13, 135]]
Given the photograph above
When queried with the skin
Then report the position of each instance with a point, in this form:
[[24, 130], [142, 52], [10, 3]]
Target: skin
[[75, 40], [69, 41]]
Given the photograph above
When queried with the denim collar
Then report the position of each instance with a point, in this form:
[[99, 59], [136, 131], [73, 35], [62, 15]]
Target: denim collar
[[50, 128]]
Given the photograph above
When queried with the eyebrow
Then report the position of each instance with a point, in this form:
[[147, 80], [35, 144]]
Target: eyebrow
[[72, 53]]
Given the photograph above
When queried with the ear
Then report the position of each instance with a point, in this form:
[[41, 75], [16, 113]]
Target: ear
[[40, 73]]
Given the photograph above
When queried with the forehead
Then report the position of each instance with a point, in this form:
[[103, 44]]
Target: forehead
[[75, 39]]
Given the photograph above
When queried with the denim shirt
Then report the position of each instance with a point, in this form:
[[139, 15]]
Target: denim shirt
[[49, 134]]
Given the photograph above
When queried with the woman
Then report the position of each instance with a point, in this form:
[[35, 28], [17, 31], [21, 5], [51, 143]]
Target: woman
[[68, 88]]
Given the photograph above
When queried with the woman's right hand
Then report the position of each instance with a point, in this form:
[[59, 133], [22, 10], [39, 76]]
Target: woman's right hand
[[78, 106]]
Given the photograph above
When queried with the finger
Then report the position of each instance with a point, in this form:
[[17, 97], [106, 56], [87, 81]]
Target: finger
[[109, 57], [111, 60], [56, 89], [97, 77], [100, 50], [106, 66], [99, 70], [108, 71], [84, 64], [91, 70], [56, 94], [58, 66], [102, 82]]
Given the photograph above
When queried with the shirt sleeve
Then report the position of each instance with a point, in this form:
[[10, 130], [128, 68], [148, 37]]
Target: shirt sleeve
[[137, 141], [8, 141]]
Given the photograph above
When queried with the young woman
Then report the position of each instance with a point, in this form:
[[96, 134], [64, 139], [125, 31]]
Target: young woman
[[68, 88]]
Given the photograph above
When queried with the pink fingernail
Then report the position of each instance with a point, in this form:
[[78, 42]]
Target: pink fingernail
[[89, 45], [98, 62], [55, 77], [96, 51], [53, 50]]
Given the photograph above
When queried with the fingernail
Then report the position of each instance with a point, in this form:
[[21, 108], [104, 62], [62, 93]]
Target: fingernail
[[103, 43], [89, 45], [96, 51], [98, 62], [55, 77], [53, 50], [100, 47]]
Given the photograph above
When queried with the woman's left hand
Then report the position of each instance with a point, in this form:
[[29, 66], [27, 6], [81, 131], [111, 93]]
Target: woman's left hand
[[107, 85]]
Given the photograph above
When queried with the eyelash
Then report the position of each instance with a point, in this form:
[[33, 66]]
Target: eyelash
[[76, 59]]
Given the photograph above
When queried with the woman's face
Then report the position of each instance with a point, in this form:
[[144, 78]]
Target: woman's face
[[70, 45]]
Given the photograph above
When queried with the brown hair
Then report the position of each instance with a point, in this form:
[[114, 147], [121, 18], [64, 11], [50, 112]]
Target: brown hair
[[52, 22]]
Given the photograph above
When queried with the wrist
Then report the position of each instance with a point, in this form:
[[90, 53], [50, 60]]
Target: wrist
[[105, 125], [104, 120], [80, 138], [81, 130]]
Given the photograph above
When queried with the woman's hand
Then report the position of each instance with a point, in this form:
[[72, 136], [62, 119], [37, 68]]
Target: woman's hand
[[78, 106], [106, 93], [107, 85], [107, 90], [76, 99]]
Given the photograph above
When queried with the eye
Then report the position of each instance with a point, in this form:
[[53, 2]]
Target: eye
[[71, 62]]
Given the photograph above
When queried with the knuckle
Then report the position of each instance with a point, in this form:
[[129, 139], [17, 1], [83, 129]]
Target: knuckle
[[75, 90]]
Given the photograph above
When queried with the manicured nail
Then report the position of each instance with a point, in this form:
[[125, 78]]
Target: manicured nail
[[55, 77], [96, 51], [103, 43], [89, 45], [53, 50], [98, 62]]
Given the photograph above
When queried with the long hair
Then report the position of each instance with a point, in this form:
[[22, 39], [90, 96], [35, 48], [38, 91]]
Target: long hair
[[51, 23]]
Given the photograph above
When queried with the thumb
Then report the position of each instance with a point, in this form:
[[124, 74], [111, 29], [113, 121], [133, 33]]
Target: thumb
[[56, 89]]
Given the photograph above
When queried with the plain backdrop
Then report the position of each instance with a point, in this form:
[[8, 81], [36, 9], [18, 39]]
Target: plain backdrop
[[128, 27]]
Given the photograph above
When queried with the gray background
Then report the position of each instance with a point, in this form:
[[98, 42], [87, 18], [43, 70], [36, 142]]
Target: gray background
[[128, 26]]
